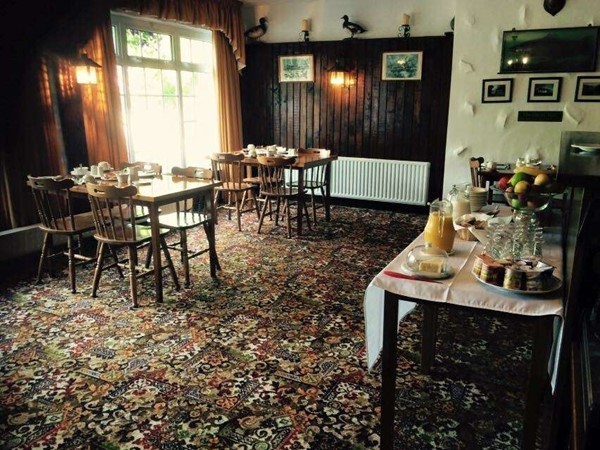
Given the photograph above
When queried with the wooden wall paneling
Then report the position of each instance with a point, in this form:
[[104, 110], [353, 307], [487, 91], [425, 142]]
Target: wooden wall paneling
[[404, 120]]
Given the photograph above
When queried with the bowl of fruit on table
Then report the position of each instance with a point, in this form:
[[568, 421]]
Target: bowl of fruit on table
[[530, 188]]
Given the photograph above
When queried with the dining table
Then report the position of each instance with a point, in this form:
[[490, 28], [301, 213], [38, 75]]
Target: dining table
[[302, 162], [155, 191], [394, 292]]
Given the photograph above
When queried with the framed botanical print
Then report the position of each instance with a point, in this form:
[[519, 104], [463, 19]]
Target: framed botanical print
[[296, 68]]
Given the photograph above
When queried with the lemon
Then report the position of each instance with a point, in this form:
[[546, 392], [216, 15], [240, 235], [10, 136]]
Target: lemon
[[522, 187], [541, 180]]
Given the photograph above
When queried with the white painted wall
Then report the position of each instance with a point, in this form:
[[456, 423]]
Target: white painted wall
[[484, 131], [381, 18]]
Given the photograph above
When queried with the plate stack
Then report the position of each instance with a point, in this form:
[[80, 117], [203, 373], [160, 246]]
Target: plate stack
[[478, 198]]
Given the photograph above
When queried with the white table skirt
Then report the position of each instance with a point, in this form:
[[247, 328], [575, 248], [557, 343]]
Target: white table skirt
[[461, 289]]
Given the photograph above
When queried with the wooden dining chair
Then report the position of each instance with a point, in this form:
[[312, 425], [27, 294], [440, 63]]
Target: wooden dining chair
[[474, 167], [113, 228], [228, 169], [188, 214], [274, 172], [315, 181], [54, 205]]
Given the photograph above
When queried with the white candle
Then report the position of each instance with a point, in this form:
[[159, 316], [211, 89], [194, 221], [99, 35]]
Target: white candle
[[304, 25], [405, 19]]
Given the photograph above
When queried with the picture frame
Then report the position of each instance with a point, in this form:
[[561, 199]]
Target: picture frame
[[544, 89], [401, 66], [296, 68], [573, 49], [587, 89], [497, 90]]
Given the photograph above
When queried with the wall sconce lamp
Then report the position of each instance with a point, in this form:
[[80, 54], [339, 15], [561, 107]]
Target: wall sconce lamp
[[404, 28], [305, 29], [340, 74], [85, 70]]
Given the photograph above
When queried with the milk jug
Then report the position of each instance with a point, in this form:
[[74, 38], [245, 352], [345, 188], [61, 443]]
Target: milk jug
[[460, 202]]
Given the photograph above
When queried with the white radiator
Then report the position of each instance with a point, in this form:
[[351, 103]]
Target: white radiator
[[381, 180]]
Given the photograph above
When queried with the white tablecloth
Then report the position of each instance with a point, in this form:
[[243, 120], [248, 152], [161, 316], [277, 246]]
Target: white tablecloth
[[461, 289]]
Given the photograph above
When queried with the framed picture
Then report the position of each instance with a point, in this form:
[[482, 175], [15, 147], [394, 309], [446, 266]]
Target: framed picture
[[498, 90], [544, 89], [296, 68], [401, 66], [550, 50], [588, 89]]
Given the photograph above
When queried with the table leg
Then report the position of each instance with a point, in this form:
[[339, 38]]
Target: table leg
[[538, 379], [301, 201], [388, 370], [428, 336], [210, 234], [155, 227], [327, 199]]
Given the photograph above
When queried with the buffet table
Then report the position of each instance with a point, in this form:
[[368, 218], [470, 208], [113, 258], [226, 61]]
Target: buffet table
[[388, 299]]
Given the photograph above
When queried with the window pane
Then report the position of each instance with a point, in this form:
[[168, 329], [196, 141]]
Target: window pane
[[185, 49], [165, 48], [153, 82], [169, 82], [134, 46], [202, 53], [187, 83], [136, 82]]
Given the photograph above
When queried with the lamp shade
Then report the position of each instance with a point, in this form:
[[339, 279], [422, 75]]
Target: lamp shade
[[85, 70]]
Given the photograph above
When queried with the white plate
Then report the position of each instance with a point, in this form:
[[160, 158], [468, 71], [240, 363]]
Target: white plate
[[82, 175], [555, 283], [434, 276], [587, 147]]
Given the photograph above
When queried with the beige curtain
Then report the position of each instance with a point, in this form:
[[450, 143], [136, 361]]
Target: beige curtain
[[218, 15], [102, 117], [228, 95]]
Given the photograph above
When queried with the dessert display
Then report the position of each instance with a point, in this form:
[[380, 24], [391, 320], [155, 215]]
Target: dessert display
[[515, 275]]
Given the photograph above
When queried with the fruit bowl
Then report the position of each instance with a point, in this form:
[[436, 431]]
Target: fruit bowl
[[534, 201]]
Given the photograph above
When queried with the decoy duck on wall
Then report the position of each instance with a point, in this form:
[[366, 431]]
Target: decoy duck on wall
[[256, 32], [352, 27]]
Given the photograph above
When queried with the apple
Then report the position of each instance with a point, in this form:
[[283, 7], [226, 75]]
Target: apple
[[503, 183]]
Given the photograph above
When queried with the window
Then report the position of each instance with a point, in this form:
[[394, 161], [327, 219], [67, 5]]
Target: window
[[167, 84]]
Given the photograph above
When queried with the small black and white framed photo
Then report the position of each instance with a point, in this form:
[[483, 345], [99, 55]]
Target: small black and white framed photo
[[498, 90], [588, 89], [544, 89]]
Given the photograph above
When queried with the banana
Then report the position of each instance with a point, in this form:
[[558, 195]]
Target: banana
[[533, 171]]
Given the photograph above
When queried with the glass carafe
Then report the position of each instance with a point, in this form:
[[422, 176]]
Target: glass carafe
[[439, 230], [460, 202]]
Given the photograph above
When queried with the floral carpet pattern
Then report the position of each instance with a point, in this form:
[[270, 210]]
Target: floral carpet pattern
[[270, 356]]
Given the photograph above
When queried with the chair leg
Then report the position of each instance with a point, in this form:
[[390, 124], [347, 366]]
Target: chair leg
[[148, 257], [262, 213], [163, 244], [132, 253], [71, 256], [98, 270], [288, 216], [239, 205], [212, 251], [114, 255], [185, 257], [216, 197], [43, 256], [314, 206]]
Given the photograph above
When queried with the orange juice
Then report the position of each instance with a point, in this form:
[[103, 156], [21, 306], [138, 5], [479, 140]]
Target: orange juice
[[439, 230]]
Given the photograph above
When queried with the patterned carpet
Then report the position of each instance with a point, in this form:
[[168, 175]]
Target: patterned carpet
[[269, 357]]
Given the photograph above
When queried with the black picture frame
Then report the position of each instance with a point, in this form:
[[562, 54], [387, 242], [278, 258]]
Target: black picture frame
[[550, 50], [544, 89], [497, 90], [587, 89]]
